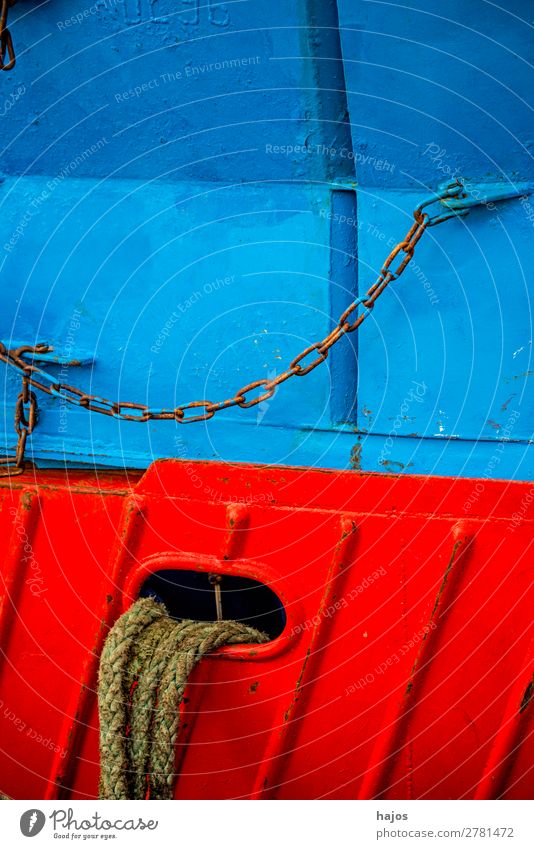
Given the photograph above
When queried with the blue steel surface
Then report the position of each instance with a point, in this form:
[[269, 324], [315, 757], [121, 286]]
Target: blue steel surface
[[192, 192]]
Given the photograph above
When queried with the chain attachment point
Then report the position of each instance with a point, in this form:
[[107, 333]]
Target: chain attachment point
[[348, 322]]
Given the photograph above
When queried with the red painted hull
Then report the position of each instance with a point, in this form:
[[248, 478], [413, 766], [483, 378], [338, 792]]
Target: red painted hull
[[403, 671]]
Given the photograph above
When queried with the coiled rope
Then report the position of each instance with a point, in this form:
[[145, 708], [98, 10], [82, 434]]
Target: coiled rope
[[144, 668]]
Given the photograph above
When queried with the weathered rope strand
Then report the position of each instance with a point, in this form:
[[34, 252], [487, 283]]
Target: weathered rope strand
[[142, 705], [145, 665]]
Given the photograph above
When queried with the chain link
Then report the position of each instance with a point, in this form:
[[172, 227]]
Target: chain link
[[6, 42], [25, 422], [259, 390]]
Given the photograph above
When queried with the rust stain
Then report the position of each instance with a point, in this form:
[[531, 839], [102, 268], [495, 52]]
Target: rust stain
[[78, 490], [450, 564], [368, 414], [352, 530], [26, 500], [458, 544], [493, 424], [505, 405], [253, 687]]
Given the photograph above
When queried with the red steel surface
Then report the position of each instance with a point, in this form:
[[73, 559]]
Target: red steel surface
[[403, 671]]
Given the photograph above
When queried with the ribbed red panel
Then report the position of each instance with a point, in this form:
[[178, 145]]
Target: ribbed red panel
[[403, 670]]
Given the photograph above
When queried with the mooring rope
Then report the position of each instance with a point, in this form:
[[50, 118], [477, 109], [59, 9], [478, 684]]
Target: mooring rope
[[144, 668]]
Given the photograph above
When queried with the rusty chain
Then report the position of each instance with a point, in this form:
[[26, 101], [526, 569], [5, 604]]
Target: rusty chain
[[348, 322], [6, 42], [25, 422]]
